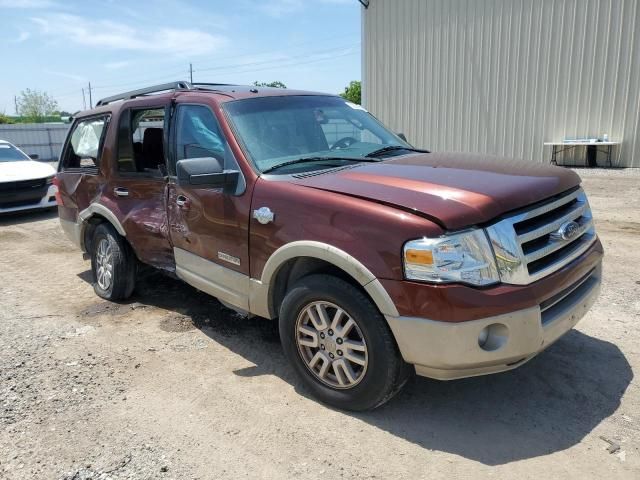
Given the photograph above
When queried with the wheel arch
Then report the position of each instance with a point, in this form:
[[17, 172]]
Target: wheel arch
[[298, 259], [91, 217]]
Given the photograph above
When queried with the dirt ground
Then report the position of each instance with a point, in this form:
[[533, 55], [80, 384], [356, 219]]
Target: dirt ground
[[173, 385]]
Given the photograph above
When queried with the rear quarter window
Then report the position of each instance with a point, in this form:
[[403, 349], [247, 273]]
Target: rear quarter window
[[84, 145]]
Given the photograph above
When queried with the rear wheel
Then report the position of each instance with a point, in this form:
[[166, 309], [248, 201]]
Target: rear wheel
[[339, 344], [113, 264]]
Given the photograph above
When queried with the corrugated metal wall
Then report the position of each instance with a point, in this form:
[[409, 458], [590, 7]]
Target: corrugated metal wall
[[43, 139], [504, 76]]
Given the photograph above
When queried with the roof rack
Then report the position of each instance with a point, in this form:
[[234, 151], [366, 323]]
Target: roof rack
[[179, 85]]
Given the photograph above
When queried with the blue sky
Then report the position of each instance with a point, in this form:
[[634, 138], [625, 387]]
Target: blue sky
[[59, 46]]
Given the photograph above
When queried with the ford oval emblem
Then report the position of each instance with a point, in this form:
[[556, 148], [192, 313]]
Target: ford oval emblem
[[264, 215], [567, 231]]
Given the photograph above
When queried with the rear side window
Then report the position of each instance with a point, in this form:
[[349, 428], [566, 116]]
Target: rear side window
[[141, 141], [85, 144]]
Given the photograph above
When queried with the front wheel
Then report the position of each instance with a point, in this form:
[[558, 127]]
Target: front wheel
[[339, 344]]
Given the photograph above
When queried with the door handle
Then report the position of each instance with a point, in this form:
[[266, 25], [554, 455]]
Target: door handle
[[121, 192], [182, 201]]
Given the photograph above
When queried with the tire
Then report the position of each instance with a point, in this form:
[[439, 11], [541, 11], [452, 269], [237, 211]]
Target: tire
[[110, 252], [351, 386]]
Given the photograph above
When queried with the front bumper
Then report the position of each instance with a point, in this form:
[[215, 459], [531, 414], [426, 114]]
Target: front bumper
[[450, 350], [17, 202]]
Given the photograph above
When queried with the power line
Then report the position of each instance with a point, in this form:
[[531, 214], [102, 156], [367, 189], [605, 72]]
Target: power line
[[173, 75], [284, 65], [270, 67], [320, 52], [289, 47], [147, 78], [276, 63], [238, 68]]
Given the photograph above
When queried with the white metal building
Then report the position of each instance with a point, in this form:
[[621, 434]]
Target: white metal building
[[505, 76]]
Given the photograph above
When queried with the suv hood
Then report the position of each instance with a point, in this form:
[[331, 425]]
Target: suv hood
[[454, 190]]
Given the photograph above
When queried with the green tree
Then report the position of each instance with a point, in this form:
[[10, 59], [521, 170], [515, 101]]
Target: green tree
[[276, 84], [353, 92], [35, 105], [5, 119]]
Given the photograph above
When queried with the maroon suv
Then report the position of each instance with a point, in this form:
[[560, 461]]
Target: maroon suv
[[378, 259]]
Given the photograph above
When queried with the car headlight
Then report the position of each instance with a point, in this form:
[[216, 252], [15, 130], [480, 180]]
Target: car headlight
[[464, 257]]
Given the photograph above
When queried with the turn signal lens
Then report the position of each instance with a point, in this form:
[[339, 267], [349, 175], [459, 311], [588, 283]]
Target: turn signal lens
[[419, 257]]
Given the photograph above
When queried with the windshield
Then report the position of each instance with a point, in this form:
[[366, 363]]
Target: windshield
[[279, 130], [9, 153]]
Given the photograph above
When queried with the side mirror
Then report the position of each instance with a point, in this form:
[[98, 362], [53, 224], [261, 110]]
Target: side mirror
[[34, 156], [206, 172], [402, 136]]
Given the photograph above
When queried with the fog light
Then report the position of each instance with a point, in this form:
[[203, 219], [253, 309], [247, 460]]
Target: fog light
[[492, 337]]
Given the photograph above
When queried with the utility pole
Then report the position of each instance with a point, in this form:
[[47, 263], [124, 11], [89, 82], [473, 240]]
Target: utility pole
[[90, 97], [15, 101], [84, 100], [191, 72]]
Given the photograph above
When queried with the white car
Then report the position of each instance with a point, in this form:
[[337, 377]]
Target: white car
[[24, 183]]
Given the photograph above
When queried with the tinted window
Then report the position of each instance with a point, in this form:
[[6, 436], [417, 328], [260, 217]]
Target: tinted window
[[141, 140], [8, 153], [83, 149], [198, 133]]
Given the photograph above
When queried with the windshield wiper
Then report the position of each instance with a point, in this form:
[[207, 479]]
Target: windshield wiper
[[394, 148], [317, 159]]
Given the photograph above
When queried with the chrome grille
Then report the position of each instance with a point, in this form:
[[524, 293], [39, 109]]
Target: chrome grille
[[533, 244]]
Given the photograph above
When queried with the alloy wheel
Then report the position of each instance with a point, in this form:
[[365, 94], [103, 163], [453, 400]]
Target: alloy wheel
[[331, 344], [104, 264]]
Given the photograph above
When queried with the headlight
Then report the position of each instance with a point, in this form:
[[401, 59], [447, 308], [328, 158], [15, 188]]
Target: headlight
[[463, 257]]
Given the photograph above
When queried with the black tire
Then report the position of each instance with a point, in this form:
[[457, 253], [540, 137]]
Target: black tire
[[386, 371], [123, 264]]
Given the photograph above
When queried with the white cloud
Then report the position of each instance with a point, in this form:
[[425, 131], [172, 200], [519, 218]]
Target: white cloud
[[26, 3], [116, 65], [280, 8], [23, 37], [70, 76], [118, 36]]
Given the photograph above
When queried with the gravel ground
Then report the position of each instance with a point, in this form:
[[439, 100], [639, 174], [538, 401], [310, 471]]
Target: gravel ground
[[173, 385]]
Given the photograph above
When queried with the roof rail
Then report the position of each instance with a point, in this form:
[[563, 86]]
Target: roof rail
[[195, 84], [179, 85]]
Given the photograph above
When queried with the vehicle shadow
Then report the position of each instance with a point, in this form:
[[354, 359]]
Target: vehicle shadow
[[545, 406], [27, 216]]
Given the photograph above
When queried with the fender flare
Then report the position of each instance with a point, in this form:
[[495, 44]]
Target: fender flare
[[261, 303], [101, 210], [97, 209]]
